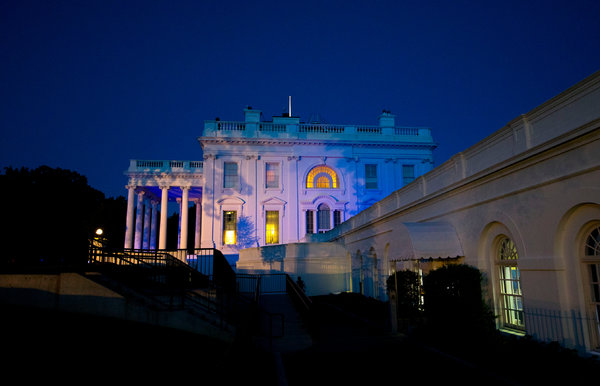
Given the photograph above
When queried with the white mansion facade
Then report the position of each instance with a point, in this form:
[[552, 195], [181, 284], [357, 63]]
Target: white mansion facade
[[522, 206], [345, 206], [272, 182]]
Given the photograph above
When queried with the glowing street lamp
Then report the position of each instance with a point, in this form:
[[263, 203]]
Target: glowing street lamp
[[99, 239]]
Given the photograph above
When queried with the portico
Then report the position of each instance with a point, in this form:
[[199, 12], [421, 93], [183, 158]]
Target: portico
[[151, 186]]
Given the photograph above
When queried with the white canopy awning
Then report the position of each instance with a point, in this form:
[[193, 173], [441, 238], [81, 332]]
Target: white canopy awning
[[430, 240]]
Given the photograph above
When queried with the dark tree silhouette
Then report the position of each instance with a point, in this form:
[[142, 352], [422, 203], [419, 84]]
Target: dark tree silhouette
[[51, 213]]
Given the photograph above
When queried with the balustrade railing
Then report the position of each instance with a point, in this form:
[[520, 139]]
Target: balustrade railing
[[275, 128], [272, 127], [368, 129], [323, 129], [165, 165], [231, 126]]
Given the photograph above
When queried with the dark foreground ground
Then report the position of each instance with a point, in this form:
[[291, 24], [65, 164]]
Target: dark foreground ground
[[350, 349]]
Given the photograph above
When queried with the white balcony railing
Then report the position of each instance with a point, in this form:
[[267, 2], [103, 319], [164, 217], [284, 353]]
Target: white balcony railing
[[138, 165], [302, 130]]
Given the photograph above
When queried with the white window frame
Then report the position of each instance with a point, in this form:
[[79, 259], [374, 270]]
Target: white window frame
[[592, 290], [510, 290], [414, 172], [279, 186], [278, 227], [376, 176], [237, 186], [272, 204]]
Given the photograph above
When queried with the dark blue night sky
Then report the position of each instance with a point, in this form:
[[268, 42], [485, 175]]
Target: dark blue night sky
[[87, 85]]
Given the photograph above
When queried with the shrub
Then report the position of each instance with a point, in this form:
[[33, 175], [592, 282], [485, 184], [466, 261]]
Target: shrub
[[407, 295], [453, 299]]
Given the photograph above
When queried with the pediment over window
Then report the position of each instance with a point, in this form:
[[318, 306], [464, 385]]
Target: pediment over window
[[231, 201], [273, 201]]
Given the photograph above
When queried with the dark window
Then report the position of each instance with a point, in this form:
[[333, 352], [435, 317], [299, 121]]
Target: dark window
[[371, 176], [310, 222], [230, 175], [408, 174], [323, 219], [337, 218]]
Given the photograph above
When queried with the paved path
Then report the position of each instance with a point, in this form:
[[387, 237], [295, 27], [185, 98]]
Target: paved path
[[351, 352], [294, 335]]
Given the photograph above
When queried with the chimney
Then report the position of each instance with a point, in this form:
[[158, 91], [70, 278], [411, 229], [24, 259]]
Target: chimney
[[387, 119], [250, 115]]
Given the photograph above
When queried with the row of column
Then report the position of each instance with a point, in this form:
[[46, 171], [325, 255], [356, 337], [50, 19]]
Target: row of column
[[146, 220]]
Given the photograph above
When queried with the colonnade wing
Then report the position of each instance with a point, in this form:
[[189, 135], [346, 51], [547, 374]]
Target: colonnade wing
[[431, 240]]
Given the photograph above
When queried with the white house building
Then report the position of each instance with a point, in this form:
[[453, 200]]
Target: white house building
[[273, 182], [344, 206], [522, 205]]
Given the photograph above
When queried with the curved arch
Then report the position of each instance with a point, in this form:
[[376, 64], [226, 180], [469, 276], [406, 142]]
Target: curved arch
[[489, 234], [322, 177], [571, 233], [490, 241], [571, 227], [323, 206]]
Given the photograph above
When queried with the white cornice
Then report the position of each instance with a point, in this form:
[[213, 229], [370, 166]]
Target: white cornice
[[312, 142]]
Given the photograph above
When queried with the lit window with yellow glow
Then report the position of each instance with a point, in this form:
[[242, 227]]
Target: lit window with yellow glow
[[322, 177], [229, 227], [510, 285], [272, 227]]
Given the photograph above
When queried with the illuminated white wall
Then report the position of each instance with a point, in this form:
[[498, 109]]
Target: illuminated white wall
[[296, 148]]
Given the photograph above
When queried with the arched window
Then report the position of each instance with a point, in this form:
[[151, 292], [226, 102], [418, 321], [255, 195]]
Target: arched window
[[323, 218], [592, 257], [322, 182], [510, 285], [322, 177], [592, 243]]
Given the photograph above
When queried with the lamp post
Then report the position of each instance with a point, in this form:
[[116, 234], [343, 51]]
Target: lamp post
[[99, 238]]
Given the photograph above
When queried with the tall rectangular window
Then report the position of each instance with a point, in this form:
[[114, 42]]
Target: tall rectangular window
[[230, 175], [272, 227], [408, 174], [310, 221], [371, 176], [229, 227], [272, 174], [337, 218], [323, 218]]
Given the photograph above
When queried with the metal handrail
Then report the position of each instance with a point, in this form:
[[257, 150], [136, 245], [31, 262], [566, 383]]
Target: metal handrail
[[215, 295], [297, 294]]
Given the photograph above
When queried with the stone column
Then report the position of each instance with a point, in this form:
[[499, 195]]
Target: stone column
[[137, 244], [184, 216], [314, 215], [154, 224], [198, 228], [331, 218], [129, 220], [146, 239], [164, 199], [179, 224]]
